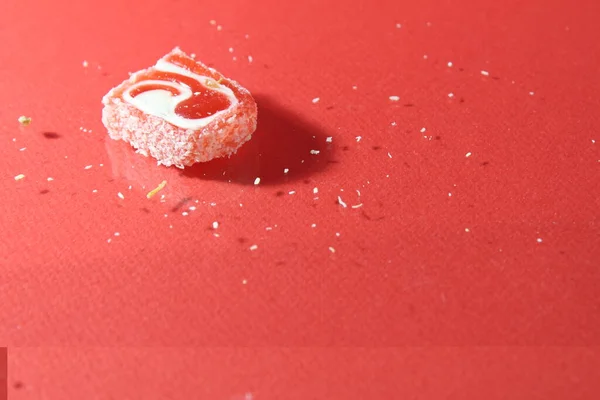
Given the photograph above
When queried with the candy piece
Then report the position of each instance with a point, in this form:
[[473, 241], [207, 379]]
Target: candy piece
[[180, 112]]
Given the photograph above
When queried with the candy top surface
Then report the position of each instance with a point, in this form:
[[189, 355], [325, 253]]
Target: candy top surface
[[182, 91]]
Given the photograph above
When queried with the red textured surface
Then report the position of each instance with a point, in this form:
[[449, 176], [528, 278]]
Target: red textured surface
[[404, 272]]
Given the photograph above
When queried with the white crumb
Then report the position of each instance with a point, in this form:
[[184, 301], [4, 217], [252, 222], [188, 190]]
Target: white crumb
[[342, 202], [337, 234], [539, 240], [121, 196], [449, 194], [219, 27], [315, 190], [87, 167], [50, 179], [85, 64], [394, 98], [316, 100], [292, 192], [450, 94], [423, 130], [329, 139], [450, 64], [531, 93], [467, 230], [185, 213], [398, 26], [95, 191], [192, 208], [313, 226], [19, 177], [358, 138], [117, 234], [393, 123], [234, 58], [485, 73], [389, 155], [23, 149], [286, 170], [268, 228], [314, 152], [250, 59], [257, 181], [231, 49], [357, 205], [212, 22], [108, 240], [215, 225], [468, 154], [244, 281], [354, 87], [425, 57], [253, 247], [331, 249]]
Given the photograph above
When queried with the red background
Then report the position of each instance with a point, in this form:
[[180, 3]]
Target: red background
[[498, 248]]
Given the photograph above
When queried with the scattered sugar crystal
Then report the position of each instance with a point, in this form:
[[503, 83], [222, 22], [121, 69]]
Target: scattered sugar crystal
[[389, 155], [212, 22], [192, 208], [87, 167], [468, 154], [315, 190], [244, 281], [329, 139], [358, 138], [485, 73], [219, 27], [85, 64], [357, 205], [215, 225], [394, 98], [121, 196], [257, 181], [19, 177], [531, 93], [467, 230], [286, 170], [450, 64], [450, 94], [292, 192], [253, 247], [231, 49], [185, 213], [539, 240], [316, 100], [342, 202], [423, 130], [117, 234], [50, 178], [23, 149], [95, 191], [313, 226], [314, 152], [398, 26], [425, 57], [354, 87], [331, 249], [250, 59]]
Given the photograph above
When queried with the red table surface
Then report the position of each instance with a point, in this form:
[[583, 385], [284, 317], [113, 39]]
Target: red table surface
[[465, 213]]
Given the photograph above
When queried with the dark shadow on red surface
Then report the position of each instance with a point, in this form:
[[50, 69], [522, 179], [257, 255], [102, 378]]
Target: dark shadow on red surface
[[282, 140], [3, 373]]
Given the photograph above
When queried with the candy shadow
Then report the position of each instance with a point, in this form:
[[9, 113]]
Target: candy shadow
[[282, 141]]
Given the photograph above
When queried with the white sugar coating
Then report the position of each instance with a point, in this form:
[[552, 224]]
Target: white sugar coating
[[250, 59], [329, 139], [358, 138], [342, 202], [468, 154], [292, 192], [215, 225], [331, 249], [87, 167], [257, 181], [253, 247], [394, 98], [314, 152], [423, 129], [121, 195], [286, 170], [316, 100], [450, 94], [315, 190], [85, 64], [485, 73], [50, 179], [450, 64], [19, 177], [539, 240]]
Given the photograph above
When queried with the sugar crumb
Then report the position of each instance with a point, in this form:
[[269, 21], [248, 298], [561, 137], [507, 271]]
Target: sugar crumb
[[292, 192], [85, 64], [423, 130], [257, 181], [313, 225], [219, 27], [394, 98], [389, 155], [23, 120], [329, 139], [467, 230], [354, 87], [50, 179], [331, 249], [398, 26], [185, 213], [316, 100], [250, 59], [539, 240], [215, 225], [315, 190], [358, 138], [87, 167], [286, 170], [468, 154], [253, 247], [357, 205], [485, 73], [341, 202], [314, 152], [531, 93], [450, 64], [19, 177], [231, 49], [121, 196], [451, 95], [212, 22]]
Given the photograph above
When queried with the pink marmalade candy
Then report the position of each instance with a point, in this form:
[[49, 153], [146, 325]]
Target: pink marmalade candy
[[180, 112]]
